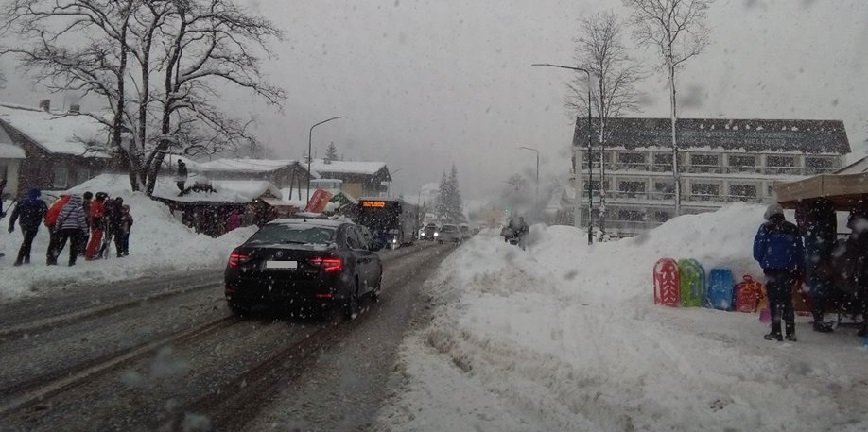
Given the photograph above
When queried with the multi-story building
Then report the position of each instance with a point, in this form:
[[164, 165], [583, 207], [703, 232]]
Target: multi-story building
[[720, 161]]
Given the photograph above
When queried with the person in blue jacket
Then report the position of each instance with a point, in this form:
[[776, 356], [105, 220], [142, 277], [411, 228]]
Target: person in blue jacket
[[29, 214], [780, 253]]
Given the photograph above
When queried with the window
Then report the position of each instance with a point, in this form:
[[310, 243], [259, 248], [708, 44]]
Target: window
[[819, 164], [780, 161], [631, 158], [705, 191], [83, 175], [354, 240], [705, 162], [631, 189], [293, 233], [664, 189], [743, 192], [660, 216], [61, 177], [631, 215], [742, 161], [662, 162]]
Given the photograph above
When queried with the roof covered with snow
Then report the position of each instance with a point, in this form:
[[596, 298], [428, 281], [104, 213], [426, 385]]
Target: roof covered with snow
[[57, 132], [857, 167], [243, 165], [226, 191], [346, 167], [757, 135], [9, 151]]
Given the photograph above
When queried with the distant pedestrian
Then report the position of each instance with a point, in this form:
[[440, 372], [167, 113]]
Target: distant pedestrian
[[523, 232], [233, 221], [122, 233], [29, 214], [72, 222], [87, 199], [113, 210], [779, 251], [855, 262], [181, 178], [50, 222], [820, 226], [2, 213], [97, 225]]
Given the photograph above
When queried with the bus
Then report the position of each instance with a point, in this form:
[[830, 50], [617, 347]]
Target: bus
[[393, 222]]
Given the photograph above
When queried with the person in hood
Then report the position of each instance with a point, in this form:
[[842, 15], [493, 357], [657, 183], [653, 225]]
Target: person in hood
[[97, 225], [122, 233], [50, 221], [29, 214], [820, 227], [780, 253], [72, 223]]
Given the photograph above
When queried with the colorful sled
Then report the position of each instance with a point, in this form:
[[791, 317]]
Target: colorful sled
[[720, 289], [667, 289], [692, 281], [748, 294]]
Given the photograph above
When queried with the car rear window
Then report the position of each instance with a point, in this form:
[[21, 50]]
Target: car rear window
[[301, 234]]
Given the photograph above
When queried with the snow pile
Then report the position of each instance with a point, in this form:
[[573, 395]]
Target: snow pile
[[158, 243], [564, 337]]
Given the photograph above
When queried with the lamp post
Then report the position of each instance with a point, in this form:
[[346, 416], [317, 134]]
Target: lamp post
[[536, 190], [310, 155], [578, 214]]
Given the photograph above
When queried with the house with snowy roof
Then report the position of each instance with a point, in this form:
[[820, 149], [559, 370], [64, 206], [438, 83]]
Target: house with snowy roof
[[357, 179], [284, 174], [720, 160], [50, 149]]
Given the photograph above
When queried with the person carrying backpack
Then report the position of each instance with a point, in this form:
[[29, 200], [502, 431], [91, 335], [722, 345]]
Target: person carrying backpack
[[72, 224], [780, 253], [50, 220], [29, 214]]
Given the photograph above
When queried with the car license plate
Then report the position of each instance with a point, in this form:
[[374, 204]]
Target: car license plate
[[281, 265]]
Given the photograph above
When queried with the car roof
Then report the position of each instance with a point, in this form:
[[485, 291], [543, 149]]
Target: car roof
[[329, 223]]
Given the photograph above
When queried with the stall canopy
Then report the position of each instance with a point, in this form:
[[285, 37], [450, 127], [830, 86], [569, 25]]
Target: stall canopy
[[846, 188]]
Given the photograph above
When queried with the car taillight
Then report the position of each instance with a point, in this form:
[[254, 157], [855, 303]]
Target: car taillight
[[238, 258], [329, 264]]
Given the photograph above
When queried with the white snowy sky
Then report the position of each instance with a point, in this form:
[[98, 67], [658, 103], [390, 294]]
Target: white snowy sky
[[424, 84]]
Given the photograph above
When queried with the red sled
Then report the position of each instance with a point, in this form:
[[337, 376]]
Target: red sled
[[667, 286], [748, 295]]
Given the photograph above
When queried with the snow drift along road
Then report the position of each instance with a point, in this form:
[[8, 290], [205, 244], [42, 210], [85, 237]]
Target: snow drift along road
[[564, 337]]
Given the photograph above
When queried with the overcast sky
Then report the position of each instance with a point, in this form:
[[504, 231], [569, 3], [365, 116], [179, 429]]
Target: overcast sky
[[425, 84]]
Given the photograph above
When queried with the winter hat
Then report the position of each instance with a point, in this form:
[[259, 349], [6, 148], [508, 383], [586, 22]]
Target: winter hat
[[34, 194], [774, 209]]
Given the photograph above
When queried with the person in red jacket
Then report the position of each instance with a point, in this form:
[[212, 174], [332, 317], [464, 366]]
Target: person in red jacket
[[50, 222], [97, 225]]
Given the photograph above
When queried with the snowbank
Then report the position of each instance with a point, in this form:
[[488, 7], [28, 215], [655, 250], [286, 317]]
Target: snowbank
[[158, 243], [564, 337]]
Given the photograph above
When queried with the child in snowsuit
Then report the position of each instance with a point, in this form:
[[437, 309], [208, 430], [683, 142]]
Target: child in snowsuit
[[122, 232]]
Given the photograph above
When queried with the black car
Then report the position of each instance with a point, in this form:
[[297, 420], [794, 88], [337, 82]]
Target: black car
[[308, 263]]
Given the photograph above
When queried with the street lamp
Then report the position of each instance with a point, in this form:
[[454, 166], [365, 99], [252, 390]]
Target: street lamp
[[578, 213], [536, 191], [310, 155]]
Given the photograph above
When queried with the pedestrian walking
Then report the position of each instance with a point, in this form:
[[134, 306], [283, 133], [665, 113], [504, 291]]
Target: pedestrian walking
[[72, 223], [820, 228], [181, 178], [112, 222], [122, 233], [2, 213], [87, 199], [854, 263], [779, 251], [50, 222], [29, 214], [97, 225]]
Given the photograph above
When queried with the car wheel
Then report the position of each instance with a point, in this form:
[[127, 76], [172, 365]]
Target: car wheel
[[239, 309], [352, 306], [375, 292]]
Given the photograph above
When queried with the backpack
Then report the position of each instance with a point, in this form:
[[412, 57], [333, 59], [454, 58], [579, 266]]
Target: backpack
[[54, 211], [748, 295]]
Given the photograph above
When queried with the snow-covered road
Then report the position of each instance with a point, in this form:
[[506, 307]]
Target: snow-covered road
[[564, 337]]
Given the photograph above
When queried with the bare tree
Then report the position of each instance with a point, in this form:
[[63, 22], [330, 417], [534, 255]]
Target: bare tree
[[208, 42], [599, 49], [117, 49], [677, 29]]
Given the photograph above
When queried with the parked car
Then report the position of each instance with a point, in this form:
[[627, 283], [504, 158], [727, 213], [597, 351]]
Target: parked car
[[449, 233], [313, 263], [429, 232], [464, 229]]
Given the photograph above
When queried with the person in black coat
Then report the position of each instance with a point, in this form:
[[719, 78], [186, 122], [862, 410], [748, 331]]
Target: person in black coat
[[29, 214]]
